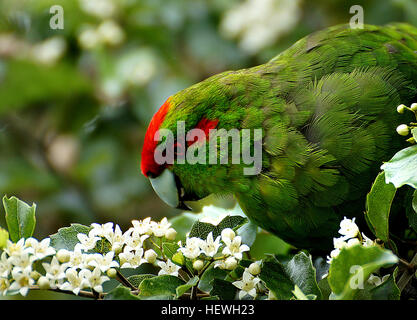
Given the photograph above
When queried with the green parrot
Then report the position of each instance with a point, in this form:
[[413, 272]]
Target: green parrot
[[325, 116]]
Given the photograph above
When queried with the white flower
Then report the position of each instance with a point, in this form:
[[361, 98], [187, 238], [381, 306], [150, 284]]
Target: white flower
[[17, 249], [161, 227], [22, 262], [247, 285], [110, 33], [192, 248], [5, 265], [210, 246], [4, 285], [101, 230], [143, 226], [353, 242], [99, 8], [22, 281], [55, 271], [366, 242], [135, 241], [259, 23], [77, 258], [414, 107], [118, 239], [104, 262], [339, 243], [49, 51], [168, 268], [234, 247], [348, 228], [88, 38], [86, 242], [94, 278], [75, 282], [131, 259], [40, 249], [333, 254]]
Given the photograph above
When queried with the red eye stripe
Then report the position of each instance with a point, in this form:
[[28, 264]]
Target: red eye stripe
[[205, 125]]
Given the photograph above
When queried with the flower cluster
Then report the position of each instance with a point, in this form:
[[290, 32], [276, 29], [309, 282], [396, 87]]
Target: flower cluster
[[225, 251], [350, 236], [30, 263]]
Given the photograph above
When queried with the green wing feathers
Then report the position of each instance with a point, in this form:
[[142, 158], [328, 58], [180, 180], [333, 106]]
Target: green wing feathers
[[330, 125]]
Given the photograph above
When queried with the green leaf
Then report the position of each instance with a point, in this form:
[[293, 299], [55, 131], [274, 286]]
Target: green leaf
[[120, 293], [20, 218], [202, 229], [402, 168], [378, 206], [299, 295], [248, 233], [411, 213], [4, 236], [136, 280], [185, 287], [66, 238], [225, 290], [414, 133], [267, 243], [353, 266], [388, 290], [169, 249], [208, 276], [164, 285], [183, 223], [281, 278]]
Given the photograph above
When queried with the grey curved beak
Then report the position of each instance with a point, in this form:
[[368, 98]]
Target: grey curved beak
[[169, 189]]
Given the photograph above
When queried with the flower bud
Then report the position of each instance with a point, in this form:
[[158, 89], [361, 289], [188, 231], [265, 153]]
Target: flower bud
[[230, 263], [353, 242], [150, 255], [63, 255], [111, 273], [43, 283], [414, 107], [170, 234], [403, 130], [254, 268], [228, 233], [198, 265], [401, 108]]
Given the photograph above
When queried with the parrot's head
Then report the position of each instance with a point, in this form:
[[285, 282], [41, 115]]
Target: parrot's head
[[163, 159], [189, 147]]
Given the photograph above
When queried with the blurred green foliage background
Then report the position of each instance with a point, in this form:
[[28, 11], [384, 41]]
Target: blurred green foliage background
[[75, 102]]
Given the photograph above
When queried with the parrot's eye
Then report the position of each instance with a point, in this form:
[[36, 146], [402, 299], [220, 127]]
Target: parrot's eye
[[179, 149]]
